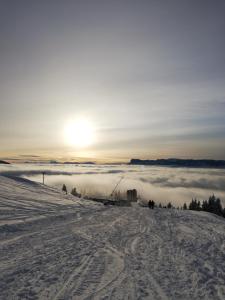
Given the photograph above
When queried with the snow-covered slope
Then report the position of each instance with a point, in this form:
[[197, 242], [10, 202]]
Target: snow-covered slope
[[54, 246], [22, 200]]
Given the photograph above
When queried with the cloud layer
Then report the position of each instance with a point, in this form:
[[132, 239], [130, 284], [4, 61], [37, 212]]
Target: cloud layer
[[163, 184]]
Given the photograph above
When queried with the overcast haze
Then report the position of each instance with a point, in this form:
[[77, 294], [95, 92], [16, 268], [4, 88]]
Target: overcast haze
[[150, 76]]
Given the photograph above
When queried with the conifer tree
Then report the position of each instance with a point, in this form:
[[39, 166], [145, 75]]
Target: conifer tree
[[64, 189], [169, 205], [184, 206], [74, 192]]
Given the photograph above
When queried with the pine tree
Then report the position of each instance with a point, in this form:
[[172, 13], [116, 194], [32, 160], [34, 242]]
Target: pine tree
[[205, 205], [169, 205], [213, 205], [64, 189], [184, 206], [191, 205], [74, 191], [223, 212], [195, 205], [218, 207]]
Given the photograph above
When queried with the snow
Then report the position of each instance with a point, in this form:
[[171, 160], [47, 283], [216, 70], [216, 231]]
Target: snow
[[56, 246]]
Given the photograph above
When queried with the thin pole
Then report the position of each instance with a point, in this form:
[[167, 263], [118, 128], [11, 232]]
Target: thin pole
[[116, 186], [43, 177]]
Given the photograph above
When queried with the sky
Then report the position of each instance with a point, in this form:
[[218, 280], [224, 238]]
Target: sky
[[149, 75]]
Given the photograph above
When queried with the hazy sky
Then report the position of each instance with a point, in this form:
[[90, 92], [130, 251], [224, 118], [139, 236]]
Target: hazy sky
[[148, 74]]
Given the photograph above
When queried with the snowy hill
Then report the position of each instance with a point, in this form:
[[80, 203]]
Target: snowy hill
[[55, 246]]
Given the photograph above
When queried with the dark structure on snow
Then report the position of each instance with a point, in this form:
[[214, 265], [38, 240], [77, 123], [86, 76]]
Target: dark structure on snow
[[132, 195]]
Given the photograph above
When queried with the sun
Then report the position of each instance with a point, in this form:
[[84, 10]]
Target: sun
[[79, 133]]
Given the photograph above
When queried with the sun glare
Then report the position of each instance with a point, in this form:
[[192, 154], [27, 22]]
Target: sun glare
[[79, 133]]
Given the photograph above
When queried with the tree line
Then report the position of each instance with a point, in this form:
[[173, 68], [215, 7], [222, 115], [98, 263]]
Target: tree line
[[73, 191], [212, 205]]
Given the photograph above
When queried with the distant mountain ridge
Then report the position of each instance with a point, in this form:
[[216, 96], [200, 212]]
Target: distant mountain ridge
[[79, 163], [177, 162], [4, 162], [72, 162]]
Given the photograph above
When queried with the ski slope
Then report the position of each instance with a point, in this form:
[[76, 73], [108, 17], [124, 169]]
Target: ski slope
[[55, 246]]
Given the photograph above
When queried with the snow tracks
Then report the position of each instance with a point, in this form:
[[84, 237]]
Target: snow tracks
[[115, 253]]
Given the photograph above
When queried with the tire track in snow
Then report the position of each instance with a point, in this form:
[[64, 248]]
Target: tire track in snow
[[69, 284]]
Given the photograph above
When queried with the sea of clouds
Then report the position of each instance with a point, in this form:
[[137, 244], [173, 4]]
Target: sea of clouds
[[162, 184]]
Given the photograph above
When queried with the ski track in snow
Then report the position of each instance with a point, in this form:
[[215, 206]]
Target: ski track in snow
[[58, 247]]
